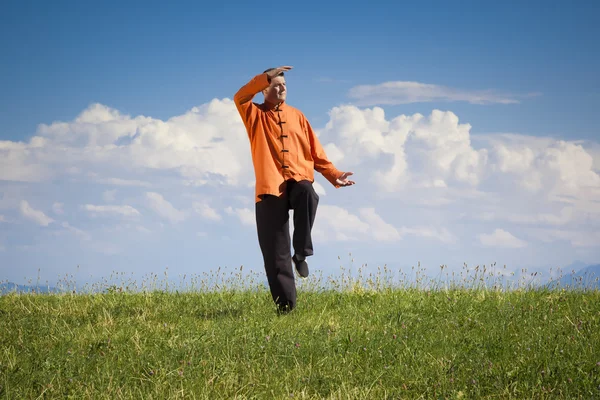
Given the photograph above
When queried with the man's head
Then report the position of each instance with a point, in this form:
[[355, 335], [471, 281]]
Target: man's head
[[276, 92]]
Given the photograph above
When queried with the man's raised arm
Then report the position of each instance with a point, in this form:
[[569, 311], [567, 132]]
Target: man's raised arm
[[243, 100], [250, 89]]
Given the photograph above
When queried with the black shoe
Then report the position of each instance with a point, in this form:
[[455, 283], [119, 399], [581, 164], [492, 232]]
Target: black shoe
[[284, 308], [301, 266]]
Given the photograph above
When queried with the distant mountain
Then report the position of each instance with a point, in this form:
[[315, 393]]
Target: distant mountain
[[10, 287], [585, 278], [575, 266]]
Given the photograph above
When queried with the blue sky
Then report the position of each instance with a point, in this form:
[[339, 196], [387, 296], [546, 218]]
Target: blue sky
[[534, 66]]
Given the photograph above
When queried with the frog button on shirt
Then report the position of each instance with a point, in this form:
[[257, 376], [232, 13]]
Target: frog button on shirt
[[282, 142]]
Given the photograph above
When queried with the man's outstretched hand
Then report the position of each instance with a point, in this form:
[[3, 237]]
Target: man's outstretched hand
[[343, 180], [276, 71]]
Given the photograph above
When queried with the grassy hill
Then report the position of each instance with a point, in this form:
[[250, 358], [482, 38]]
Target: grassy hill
[[353, 342]]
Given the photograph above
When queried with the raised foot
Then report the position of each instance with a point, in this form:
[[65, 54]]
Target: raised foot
[[301, 266]]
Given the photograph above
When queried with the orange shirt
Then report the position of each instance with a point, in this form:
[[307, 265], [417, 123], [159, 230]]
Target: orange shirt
[[282, 142]]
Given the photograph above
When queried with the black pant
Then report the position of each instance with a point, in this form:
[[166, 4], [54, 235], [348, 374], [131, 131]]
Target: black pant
[[272, 223]]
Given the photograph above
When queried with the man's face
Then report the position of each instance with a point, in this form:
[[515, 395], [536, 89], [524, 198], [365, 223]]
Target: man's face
[[277, 92]]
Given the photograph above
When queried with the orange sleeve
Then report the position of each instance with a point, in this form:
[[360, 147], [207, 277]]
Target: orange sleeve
[[243, 98], [322, 164]]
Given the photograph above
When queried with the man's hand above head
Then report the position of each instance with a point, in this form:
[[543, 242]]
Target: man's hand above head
[[276, 71], [343, 180]]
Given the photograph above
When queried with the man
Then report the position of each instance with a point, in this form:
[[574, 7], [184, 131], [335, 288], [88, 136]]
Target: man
[[285, 153]]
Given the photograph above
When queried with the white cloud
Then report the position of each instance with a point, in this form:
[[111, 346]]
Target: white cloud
[[208, 144], [109, 195], [563, 217], [438, 163], [34, 215], [207, 211], [337, 223], [569, 168], [58, 208], [513, 160], [542, 165], [441, 234], [123, 182], [20, 161], [76, 231], [245, 215], [125, 210], [501, 238], [319, 189], [404, 92], [406, 150], [593, 149], [380, 229], [577, 238], [164, 208], [334, 154]]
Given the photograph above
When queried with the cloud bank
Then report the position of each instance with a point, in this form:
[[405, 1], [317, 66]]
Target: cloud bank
[[180, 191]]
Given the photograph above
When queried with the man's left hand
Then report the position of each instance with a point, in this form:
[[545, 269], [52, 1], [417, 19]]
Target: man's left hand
[[343, 180]]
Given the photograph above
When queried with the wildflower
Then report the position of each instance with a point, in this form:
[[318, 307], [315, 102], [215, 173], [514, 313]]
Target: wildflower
[[297, 345], [394, 336], [267, 338]]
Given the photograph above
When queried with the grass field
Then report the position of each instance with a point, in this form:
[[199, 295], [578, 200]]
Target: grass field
[[347, 341]]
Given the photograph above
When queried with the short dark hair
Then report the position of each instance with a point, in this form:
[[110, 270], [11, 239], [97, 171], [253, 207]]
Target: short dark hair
[[271, 69]]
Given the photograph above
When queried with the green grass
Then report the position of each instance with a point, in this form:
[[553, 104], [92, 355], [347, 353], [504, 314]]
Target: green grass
[[353, 341]]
